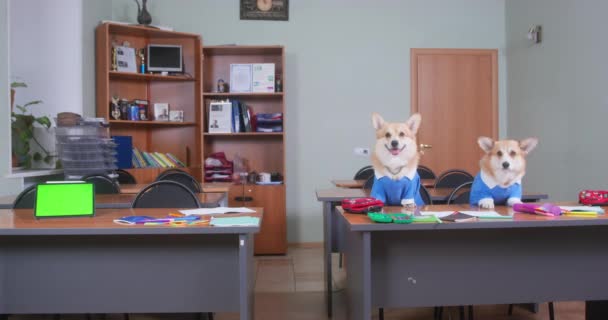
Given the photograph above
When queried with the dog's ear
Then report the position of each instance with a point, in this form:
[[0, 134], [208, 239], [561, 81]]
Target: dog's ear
[[486, 144], [528, 145], [413, 123], [377, 121]]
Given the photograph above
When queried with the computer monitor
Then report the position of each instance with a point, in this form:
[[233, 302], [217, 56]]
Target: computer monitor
[[164, 58], [64, 199]]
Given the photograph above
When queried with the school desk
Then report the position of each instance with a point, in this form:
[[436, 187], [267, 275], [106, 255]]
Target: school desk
[[124, 200], [529, 258], [93, 265], [428, 183], [333, 231]]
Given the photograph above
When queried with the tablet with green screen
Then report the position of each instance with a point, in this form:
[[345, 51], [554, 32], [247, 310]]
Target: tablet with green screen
[[64, 200]]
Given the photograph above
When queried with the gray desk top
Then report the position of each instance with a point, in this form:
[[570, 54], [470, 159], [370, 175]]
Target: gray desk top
[[360, 222], [22, 222]]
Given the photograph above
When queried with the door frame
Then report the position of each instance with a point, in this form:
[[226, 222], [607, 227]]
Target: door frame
[[493, 53]]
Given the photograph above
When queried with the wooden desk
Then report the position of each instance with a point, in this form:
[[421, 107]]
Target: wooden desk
[[78, 265], [473, 263], [428, 183], [124, 200], [333, 230]]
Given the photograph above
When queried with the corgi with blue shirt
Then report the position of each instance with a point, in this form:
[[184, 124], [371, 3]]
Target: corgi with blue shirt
[[395, 161], [502, 169]]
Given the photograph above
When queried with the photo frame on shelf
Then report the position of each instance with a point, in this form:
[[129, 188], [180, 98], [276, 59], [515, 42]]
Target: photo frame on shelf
[[125, 59], [161, 111], [265, 10], [176, 115], [241, 77]]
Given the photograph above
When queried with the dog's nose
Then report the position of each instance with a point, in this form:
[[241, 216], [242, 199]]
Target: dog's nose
[[505, 165], [395, 143]]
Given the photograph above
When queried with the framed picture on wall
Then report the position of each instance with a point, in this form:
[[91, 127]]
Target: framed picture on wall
[[265, 10]]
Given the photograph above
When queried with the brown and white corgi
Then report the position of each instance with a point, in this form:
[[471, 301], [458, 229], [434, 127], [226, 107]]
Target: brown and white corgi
[[502, 168], [395, 161]]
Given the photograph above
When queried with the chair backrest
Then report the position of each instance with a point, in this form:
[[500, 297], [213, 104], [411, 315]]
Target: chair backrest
[[426, 197], [165, 194], [426, 173], [26, 199], [364, 173], [183, 178], [461, 194], [369, 183], [103, 184], [124, 177], [169, 171], [453, 178]]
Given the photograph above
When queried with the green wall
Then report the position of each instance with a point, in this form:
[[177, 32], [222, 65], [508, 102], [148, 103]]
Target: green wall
[[557, 91], [345, 59]]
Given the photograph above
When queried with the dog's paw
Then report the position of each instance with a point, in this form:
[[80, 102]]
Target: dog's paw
[[486, 203], [513, 201], [409, 204]]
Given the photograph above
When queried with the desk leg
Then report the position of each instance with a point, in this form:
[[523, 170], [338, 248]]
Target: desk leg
[[359, 276], [327, 241], [246, 276]]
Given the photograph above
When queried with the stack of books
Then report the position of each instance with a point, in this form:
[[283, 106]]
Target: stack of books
[[269, 122], [142, 159]]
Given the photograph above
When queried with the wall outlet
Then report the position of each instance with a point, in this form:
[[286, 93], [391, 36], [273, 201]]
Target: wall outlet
[[363, 152]]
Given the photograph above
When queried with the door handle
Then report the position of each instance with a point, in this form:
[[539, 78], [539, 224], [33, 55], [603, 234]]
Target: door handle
[[423, 146]]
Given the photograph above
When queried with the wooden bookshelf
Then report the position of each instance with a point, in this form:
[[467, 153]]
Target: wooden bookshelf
[[261, 151], [181, 92]]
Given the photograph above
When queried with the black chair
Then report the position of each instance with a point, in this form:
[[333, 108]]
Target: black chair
[[426, 197], [183, 178], [364, 173], [168, 171], [369, 183], [103, 184], [461, 194], [124, 177], [165, 194], [453, 178], [426, 173], [26, 199]]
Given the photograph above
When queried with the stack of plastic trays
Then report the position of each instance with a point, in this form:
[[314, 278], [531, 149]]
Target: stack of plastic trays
[[86, 149]]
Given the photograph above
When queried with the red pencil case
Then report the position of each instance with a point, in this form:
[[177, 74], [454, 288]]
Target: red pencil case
[[362, 205], [593, 197]]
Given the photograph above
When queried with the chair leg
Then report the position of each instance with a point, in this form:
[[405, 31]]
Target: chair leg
[[551, 311], [461, 312], [435, 313], [56, 317], [126, 316], [470, 312], [440, 313], [209, 315], [88, 316], [341, 257], [510, 310], [381, 313]]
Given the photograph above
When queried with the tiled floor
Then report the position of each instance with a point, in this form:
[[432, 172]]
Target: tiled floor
[[291, 288]]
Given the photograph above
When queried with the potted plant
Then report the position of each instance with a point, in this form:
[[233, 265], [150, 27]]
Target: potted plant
[[22, 131]]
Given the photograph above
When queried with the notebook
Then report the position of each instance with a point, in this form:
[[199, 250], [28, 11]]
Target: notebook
[[458, 217], [234, 221], [64, 199]]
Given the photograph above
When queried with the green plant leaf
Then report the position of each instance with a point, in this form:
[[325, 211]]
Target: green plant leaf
[[31, 103], [47, 159], [37, 156], [45, 121], [18, 85], [22, 109]]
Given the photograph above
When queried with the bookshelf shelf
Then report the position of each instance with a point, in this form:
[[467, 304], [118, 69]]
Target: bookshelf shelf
[[246, 134], [147, 77], [152, 123], [243, 94]]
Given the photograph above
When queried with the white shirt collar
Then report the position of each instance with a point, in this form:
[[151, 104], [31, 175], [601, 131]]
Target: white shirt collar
[[491, 182]]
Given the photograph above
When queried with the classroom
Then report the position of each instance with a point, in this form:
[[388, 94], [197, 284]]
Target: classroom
[[302, 159]]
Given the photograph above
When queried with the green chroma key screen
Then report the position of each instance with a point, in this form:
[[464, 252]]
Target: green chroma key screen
[[64, 200]]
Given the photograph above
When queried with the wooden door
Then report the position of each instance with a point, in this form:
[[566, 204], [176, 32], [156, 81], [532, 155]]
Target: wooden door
[[456, 92]]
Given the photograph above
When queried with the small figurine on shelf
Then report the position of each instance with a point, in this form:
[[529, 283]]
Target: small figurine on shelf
[[115, 108], [142, 58], [221, 85], [278, 86]]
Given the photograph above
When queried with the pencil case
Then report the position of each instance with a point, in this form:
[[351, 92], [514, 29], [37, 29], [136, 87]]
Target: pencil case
[[593, 197], [400, 218], [362, 205]]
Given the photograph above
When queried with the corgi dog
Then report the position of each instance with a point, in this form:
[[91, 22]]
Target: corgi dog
[[395, 161], [502, 168]]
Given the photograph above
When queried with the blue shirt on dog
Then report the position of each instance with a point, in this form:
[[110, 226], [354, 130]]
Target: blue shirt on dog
[[391, 192], [481, 190]]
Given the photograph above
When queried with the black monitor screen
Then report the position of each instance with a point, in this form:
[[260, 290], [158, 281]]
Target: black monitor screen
[[164, 58]]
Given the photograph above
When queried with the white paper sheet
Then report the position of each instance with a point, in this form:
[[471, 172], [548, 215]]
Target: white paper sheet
[[438, 214], [486, 214], [218, 210]]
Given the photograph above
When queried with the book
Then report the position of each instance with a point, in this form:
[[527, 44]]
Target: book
[[234, 221], [252, 120], [246, 127], [150, 161], [140, 158], [458, 217], [176, 160], [160, 160], [220, 117], [236, 122], [167, 160]]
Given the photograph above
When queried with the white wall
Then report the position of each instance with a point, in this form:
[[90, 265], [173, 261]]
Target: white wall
[[345, 59], [46, 46], [557, 91]]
